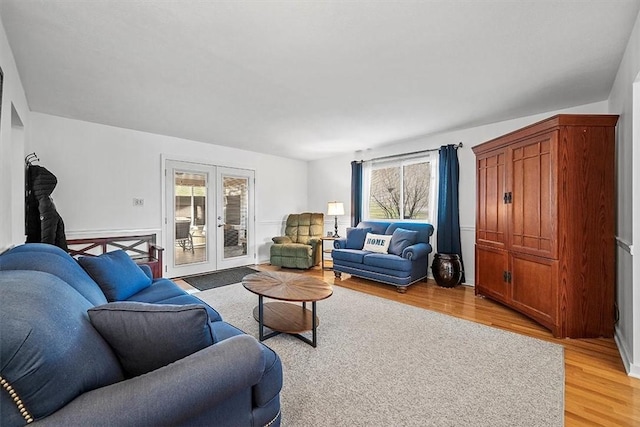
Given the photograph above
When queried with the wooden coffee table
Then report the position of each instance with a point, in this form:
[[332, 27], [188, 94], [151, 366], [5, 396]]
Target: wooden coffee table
[[284, 316]]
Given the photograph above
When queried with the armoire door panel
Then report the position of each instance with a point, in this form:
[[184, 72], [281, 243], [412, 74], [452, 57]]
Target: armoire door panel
[[534, 287], [491, 270], [533, 208], [491, 213]]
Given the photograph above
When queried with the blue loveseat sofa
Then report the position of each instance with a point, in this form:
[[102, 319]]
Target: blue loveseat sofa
[[405, 262], [156, 357]]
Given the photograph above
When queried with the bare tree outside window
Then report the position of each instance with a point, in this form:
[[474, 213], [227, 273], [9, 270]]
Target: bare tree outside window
[[401, 192], [385, 193], [416, 184]]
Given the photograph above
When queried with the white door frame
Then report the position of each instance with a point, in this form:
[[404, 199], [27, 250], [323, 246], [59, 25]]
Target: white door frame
[[214, 240]]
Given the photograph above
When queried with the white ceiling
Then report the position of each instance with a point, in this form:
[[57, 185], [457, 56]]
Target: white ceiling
[[311, 79]]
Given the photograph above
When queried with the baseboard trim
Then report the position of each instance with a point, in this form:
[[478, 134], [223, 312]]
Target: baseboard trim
[[631, 369]]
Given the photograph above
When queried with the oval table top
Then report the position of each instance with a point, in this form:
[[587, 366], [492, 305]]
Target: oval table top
[[287, 286]]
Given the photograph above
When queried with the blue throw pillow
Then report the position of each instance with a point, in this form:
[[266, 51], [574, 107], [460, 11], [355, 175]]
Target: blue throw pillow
[[401, 239], [356, 236], [116, 274], [146, 337]]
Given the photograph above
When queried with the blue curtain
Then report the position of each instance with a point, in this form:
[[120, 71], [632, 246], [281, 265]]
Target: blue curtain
[[448, 207], [356, 193]]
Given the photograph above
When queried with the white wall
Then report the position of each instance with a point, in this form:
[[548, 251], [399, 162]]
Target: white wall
[[13, 122], [624, 96], [330, 179], [100, 170]]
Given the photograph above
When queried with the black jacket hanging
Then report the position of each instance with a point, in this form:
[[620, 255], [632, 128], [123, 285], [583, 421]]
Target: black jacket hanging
[[43, 223]]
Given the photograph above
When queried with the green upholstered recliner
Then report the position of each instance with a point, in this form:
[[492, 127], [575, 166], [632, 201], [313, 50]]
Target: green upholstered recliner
[[300, 247]]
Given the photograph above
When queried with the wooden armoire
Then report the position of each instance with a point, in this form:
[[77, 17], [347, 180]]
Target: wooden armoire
[[545, 223]]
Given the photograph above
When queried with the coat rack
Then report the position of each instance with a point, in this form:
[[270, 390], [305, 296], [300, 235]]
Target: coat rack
[[30, 158]]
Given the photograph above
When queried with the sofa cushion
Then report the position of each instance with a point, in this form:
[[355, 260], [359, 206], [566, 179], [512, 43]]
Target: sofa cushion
[[50, 353], [387, 261], [146, 337], [348, 255], [378, 243], [223, 330], [116, 273], [356, 236], [214, 316], [401, 239], [164, 291], [160, 290]]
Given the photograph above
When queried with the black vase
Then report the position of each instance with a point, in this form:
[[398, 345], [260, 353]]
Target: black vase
[[447, 270]]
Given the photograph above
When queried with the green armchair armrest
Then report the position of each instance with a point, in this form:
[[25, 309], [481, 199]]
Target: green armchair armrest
[[281, 239]]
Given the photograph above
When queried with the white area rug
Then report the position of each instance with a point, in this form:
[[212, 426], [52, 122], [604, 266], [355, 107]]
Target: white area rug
[[383, 363]]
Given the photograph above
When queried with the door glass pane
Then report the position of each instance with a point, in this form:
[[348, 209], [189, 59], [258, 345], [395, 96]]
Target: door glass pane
[[236, 204], [190, 244]]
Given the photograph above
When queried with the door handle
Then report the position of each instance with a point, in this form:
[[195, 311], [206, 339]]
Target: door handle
[[221, 225]]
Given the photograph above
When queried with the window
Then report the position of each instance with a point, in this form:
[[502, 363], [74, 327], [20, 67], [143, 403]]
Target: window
[[400, 189]]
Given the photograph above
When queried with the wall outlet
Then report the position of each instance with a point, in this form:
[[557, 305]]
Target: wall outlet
[[138, 202]]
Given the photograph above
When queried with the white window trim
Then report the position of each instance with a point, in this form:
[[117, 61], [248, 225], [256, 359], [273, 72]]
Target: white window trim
[[368, 166]]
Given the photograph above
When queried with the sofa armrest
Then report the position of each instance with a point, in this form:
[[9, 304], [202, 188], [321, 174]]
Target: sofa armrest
[[416, 251], [147, 270], [340, 243], [281, 239], [172, 394]]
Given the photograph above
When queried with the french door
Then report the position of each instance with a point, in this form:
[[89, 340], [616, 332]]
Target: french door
[[209, 222]]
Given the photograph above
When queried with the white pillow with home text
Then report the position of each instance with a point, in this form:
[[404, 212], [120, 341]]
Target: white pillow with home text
[[377, 243]]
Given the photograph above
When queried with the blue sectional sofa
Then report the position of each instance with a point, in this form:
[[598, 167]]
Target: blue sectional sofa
[[405, 262], [73, 354]]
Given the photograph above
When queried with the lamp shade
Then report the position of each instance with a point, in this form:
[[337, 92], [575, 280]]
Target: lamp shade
[[335, 208]]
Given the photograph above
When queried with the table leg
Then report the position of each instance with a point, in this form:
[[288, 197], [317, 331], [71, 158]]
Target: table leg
[[313, 322], [261, 324], [261, 317]]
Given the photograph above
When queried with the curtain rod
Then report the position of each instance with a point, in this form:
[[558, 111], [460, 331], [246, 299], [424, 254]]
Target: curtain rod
[[393, 156]]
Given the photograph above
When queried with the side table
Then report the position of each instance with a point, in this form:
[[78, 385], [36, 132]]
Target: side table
[[327, 251]]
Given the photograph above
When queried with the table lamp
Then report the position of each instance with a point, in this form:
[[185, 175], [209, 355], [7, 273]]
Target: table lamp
[[335, 209]]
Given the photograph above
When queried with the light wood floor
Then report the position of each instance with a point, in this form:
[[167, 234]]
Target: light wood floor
[[598, 391]]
